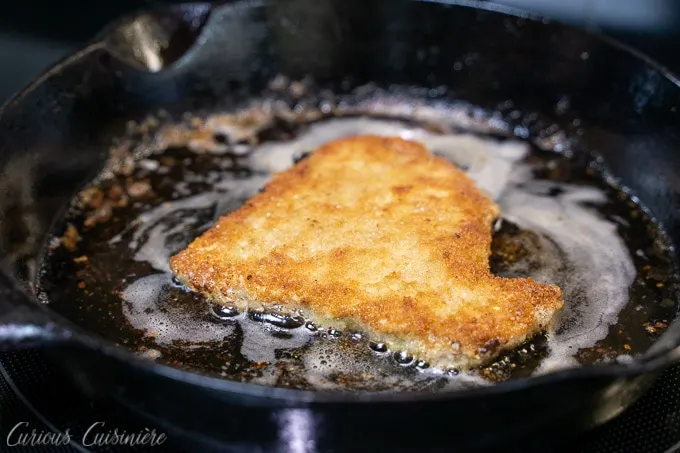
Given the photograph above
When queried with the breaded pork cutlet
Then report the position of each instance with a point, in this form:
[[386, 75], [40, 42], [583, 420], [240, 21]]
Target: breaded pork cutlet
[[376, 235]]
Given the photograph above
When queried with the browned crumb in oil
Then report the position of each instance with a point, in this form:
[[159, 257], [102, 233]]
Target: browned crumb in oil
[[70, 238], [511, 245], [92, 197], [138, 189], [509, 250], [199, 135], [121, 160], [490, 374], [598, 353], [98, 203], [101, 215], [653, 327], [116, 196], [200, 138]]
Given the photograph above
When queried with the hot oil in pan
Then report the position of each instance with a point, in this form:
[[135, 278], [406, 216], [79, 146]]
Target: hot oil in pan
[[560, 224]]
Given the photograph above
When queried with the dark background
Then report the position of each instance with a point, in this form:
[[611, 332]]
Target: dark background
[[35, 33]]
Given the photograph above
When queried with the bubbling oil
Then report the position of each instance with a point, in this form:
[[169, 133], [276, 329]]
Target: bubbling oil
[[573, 245]]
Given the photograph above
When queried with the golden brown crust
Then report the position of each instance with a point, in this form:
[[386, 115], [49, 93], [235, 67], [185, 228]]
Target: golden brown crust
[[378, 234]]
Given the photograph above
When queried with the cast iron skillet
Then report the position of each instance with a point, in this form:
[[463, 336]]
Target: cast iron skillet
[[54, 136]]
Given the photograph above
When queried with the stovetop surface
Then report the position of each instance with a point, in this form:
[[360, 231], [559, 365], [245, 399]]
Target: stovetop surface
[[34, 395]]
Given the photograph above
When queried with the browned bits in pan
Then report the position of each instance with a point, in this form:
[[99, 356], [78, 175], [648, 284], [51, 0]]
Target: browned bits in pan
[[138, 189], [92, 197], [654, 327], [102, 214], [70, 238], [99, 202], [116, 196]]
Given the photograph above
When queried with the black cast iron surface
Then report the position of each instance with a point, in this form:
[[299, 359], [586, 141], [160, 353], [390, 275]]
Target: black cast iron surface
[[61, 407], [32, 392]]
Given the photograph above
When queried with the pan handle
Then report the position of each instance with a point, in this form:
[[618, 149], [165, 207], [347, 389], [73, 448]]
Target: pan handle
[[25, 323]]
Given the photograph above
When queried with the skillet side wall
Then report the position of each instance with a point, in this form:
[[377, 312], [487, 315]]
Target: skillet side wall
[[55, 136], [531, 418]]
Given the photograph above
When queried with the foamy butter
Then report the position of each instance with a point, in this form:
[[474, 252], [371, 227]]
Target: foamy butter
[[591, 263], [259, 345], [154, 229], [148, 308], [325, 362], [580, 251]]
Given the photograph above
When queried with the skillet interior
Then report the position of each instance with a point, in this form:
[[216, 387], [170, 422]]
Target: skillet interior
[[89, 277]]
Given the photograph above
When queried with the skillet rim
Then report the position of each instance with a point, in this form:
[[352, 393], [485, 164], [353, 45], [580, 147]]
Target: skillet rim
[[658, 356]]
